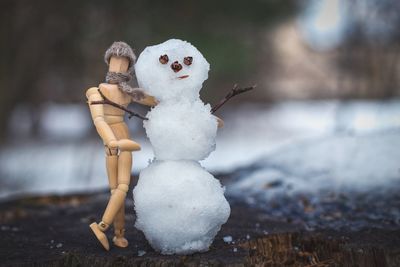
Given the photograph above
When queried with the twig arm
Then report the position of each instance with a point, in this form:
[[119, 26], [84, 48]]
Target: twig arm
[[235, 91], [107, 101]]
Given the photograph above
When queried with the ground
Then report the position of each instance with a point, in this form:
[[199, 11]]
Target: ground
[[53, 231]]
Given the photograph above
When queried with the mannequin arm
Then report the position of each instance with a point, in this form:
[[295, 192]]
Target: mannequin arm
[[144, 99], [97, 112], [128, 145]]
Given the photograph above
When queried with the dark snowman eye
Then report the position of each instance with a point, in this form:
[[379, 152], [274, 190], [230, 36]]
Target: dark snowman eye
[[188, 60], [163, 59]]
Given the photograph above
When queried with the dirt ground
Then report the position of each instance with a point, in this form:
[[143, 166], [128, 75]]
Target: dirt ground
[[53, 231]]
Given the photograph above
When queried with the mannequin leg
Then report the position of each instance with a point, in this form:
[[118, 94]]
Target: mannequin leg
[[112, 167], [112, 173], [119, 221], [115, 210], [125, 177], [119, 229]]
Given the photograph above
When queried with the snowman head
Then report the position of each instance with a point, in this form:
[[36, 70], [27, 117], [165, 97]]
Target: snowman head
[[172, 70]]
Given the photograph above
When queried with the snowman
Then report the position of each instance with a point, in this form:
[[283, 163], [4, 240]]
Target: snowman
[[180, 207]]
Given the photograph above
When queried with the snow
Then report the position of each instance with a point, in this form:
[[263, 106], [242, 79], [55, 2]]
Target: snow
[[73, 123], [181, 130], [337, 163], [227, 239], [253, 131], [179, 206], [62, 164], [163, 83], [56, 167]]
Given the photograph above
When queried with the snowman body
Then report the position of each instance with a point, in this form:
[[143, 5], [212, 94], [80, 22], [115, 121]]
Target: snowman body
[[180, 207]]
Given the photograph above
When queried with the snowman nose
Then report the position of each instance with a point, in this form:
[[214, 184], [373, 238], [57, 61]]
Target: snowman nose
[[176, 66]]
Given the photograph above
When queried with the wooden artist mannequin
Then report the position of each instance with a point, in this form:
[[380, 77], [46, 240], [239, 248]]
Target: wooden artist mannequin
[[110, 125]]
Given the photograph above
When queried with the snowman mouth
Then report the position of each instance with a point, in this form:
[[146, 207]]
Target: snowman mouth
[[183, 77]]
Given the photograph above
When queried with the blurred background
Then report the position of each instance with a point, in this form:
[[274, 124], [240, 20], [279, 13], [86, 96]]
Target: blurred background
[[324, 116]]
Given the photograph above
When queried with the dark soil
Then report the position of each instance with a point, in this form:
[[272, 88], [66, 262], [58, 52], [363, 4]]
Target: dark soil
[[53, 231]]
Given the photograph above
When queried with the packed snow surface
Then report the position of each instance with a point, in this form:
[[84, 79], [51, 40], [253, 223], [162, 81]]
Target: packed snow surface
[[182, 130], [161, 81], [180, 206], [227, 239]]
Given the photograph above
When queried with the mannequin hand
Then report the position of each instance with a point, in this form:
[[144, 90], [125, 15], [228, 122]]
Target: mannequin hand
[[128, 145], [113, 144], [220, 122]]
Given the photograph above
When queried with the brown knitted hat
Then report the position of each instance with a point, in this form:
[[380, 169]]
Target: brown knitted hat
[[120, 49]]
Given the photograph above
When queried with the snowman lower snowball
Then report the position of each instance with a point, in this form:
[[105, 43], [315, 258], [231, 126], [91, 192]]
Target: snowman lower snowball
[[180, 207]]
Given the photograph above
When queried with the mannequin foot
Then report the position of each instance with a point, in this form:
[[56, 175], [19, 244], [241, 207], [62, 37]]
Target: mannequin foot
[[100, 235], [120, 241]]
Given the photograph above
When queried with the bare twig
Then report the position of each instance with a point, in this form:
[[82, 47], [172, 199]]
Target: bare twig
[[235, 91], [107, 101]]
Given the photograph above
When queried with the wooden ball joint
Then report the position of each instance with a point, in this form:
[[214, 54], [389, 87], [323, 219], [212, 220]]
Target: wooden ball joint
[[109, 122]]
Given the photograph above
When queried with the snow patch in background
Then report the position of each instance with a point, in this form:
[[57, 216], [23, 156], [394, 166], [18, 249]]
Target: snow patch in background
[[55, 121], [348, 136], [337, 164], [40, 168]]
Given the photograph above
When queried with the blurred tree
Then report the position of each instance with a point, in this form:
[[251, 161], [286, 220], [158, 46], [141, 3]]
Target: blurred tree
[[371, 52], [53, 49]]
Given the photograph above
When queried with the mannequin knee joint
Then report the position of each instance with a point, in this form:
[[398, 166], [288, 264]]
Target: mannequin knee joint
[[123, 187], [111, 151]]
